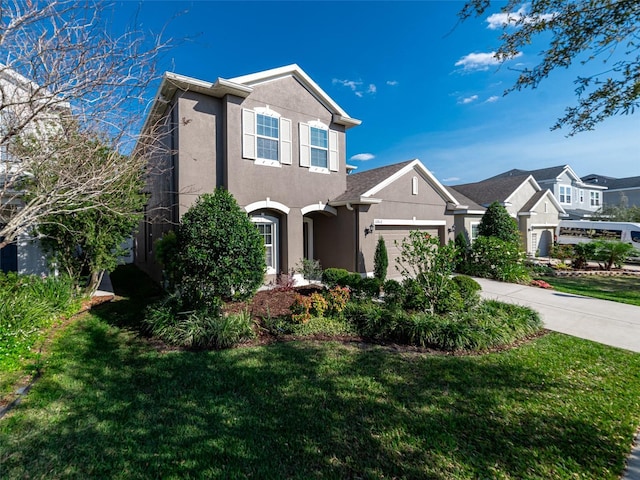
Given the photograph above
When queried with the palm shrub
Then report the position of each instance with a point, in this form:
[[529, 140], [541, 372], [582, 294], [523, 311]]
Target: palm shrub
[[380, 260], [612, 252]]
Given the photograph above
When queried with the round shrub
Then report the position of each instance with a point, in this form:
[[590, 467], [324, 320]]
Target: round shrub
[[414, 296], [334, 276], [496, 222], [220, 252], [370, 287], [468, 289]]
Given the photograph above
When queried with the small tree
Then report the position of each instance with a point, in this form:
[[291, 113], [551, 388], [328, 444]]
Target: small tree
[[423, 258], [496, 222], [221, 253], [380, 260]]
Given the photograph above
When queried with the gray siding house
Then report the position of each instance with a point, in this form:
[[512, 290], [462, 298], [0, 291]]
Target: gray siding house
[[277, 142], [578, 198], [624, 192]]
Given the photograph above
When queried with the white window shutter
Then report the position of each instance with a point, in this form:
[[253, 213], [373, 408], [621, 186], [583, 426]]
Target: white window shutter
[[334, 162], [285, 141], [305, 145], [248, 134]]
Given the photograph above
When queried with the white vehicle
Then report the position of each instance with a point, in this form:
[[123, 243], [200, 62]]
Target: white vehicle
[[579, 231]]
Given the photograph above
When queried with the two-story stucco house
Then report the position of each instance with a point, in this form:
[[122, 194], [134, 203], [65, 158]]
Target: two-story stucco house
[[578, 198], [277, 142], [535, 209]]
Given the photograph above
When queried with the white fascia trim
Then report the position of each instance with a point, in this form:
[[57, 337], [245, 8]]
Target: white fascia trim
[[527, 214], [571, 173], [340, 116], [410, 223], [543, 225], [583, 185], [427, 175], [269, 204], [529, 179], [358, 201], [469, 212], [319, 207], [553, 200]]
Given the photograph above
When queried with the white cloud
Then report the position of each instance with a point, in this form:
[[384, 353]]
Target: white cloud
[[500, 20], [358, 94], [492, 99], [372, 88], [475, 62], [467, 100], [392, 83], [352, 84], [363, 157]]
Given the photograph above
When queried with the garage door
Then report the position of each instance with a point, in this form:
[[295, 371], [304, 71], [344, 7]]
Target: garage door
[[395, 234]]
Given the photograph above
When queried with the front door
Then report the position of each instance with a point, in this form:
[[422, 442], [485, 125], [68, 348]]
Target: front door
[[268, 228]]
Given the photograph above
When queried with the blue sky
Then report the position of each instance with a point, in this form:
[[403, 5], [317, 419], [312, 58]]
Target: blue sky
[[422, 84]]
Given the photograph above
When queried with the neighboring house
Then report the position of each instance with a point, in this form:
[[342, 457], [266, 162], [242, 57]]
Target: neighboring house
[[23, 256], [276, 141], [624, 192], [535, 209], [579, 199]]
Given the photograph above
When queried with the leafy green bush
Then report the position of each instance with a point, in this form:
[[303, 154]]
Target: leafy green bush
[[414, 297], [373, 320], [380, 260], [167, 253], [314, 326], [309, 269], [370, 287], [220, 252], [200, 328], [581, 253], [430, 264], [334, 276], [496, 222], [492, 257], [468, 289], [394, 294]]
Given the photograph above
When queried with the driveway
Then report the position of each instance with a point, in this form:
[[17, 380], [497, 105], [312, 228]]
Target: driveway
[[611, 323]]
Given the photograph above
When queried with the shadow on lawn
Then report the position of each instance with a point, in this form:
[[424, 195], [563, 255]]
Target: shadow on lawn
[[113, 408]]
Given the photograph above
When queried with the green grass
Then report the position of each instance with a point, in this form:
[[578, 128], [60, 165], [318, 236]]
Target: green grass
[[624, 289], [111, 406]]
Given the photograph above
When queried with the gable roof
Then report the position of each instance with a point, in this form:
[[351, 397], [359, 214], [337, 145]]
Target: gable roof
[[362, 186], [241, 87], [465, 203], [538, 197], [549, 174], [495, 189]]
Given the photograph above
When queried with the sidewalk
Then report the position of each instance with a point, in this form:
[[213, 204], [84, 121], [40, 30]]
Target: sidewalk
[[611, 323]]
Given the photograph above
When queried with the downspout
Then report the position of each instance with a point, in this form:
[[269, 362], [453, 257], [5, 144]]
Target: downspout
[[357, 237]]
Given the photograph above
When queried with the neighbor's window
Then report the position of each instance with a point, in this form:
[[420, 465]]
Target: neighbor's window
[[595, 199], [319, 147], [565, 194]]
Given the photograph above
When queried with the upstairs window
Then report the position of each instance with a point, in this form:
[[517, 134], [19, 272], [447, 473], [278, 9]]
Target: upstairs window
[[266, 137], [318, 147], [565, 194], [581, 196], [594, 198]]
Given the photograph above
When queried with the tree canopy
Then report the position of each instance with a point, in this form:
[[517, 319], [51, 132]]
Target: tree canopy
[[580, 33]]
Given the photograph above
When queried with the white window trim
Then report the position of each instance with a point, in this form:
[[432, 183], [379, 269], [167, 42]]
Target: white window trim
[[568, 192], [581, 196], [305, 147], [471, 225], [275, 224], [250, 137], [593, 196]]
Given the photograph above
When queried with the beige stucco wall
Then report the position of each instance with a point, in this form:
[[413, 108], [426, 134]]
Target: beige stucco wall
[[398, 203]]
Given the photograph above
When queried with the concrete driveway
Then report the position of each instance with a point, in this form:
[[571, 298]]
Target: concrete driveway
[[611, 323]]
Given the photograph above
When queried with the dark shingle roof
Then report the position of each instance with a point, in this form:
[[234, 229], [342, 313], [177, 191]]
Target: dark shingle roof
[[612, 183], [539, 174], [533, 200], [495, 189], [464, 200], [359, 183]]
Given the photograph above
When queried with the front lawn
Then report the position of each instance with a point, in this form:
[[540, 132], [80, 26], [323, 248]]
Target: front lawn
[[110, 405], [624, 289]]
